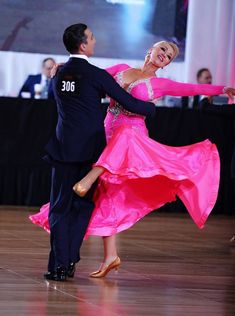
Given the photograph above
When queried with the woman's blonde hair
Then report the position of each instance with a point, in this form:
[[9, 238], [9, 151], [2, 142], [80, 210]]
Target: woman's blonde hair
[[173, 46]]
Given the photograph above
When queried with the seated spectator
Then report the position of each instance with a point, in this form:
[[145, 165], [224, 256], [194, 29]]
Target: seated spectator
[[203, 76], [39, 86]]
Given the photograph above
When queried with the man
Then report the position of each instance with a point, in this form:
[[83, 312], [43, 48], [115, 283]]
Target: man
[[203, 77], [39, 86], [78, 141]]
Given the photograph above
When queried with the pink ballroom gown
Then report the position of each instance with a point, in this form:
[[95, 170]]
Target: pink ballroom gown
[[141, 174]]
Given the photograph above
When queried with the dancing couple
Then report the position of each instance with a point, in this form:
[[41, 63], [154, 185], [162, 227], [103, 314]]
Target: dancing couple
[[135, 173]]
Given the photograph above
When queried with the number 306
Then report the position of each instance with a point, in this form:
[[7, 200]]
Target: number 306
[[68, 86]]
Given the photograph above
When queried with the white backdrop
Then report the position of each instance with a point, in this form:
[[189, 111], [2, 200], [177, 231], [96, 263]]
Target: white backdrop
[[210, 40], [15, 67]]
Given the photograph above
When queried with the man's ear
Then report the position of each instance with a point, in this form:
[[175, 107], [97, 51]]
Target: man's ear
[[83, 47]]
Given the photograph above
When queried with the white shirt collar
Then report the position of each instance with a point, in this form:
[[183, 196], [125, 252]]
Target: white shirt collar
[[79, 56], [43, 78]]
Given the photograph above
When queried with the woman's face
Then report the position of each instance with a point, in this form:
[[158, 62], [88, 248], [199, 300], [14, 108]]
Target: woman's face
[[161, 55]]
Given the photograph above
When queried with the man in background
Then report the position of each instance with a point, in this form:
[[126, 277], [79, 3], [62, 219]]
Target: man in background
[[204, 77], [39, 86]]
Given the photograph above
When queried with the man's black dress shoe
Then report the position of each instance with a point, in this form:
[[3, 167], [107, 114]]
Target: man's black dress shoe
[[49, 275], [71, 270], [59, 275]]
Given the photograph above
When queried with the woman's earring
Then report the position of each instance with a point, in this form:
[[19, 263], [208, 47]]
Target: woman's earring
[[148, 54]]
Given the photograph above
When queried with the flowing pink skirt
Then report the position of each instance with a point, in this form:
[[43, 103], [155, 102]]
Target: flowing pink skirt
[[141, 175], [41, 218]]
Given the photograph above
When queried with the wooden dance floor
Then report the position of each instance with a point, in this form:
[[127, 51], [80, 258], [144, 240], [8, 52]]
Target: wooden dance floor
[[169, 267]]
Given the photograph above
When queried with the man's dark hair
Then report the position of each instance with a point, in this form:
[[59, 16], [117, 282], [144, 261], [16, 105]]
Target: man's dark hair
[[46, 59], [74, 36], [200, 71]]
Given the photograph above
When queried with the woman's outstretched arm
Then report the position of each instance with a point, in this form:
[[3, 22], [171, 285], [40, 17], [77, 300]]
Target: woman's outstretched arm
[[163, 86]]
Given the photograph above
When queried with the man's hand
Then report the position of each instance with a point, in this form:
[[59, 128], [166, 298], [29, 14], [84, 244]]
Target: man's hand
[[55, 69]]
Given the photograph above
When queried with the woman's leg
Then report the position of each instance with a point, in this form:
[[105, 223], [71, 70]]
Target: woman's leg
[[110, 250], [85, 184]]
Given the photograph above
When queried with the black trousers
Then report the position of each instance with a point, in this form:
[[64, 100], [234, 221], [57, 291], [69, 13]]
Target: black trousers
[[69, 214]]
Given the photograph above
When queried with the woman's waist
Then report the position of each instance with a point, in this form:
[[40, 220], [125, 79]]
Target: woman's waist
[[122, 118], [117, 109], [113, 123]]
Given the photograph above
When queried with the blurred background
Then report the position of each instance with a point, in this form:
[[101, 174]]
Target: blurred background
[[124, 29]]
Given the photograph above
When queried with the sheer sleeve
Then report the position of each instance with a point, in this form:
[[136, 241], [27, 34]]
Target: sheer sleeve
[[113, 70], [162, 86]]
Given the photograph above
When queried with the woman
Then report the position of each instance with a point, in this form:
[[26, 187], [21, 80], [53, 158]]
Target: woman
[[133, 168]]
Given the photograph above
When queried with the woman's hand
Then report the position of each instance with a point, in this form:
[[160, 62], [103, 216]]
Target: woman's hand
[[229, 91], [55, 69]]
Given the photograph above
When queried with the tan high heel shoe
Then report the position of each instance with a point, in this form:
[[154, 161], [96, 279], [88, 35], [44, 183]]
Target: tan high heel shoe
[[80, 190], [102, 273]]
